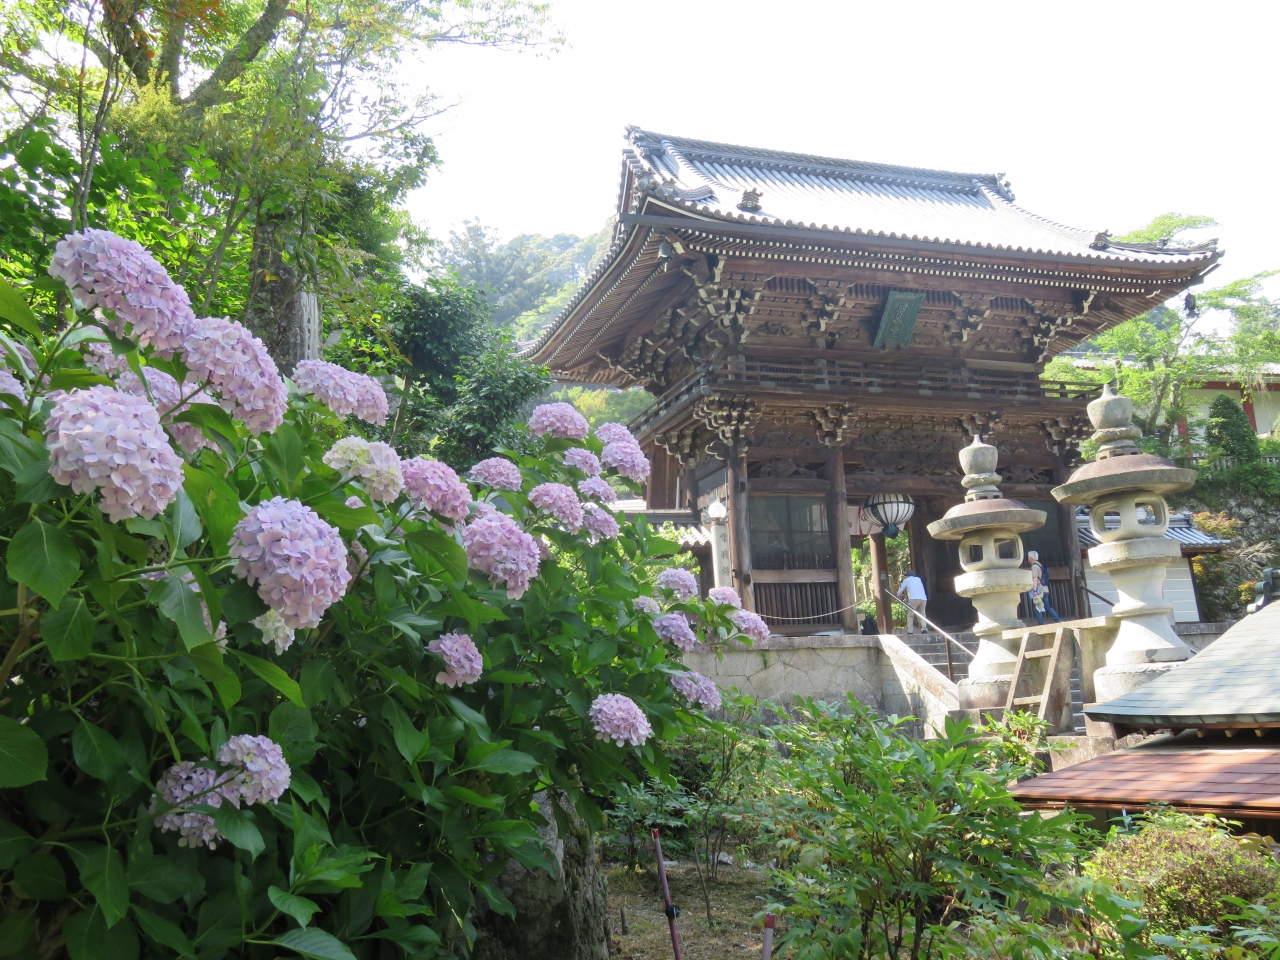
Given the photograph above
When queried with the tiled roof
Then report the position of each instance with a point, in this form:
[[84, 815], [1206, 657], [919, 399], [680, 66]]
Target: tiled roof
[[873, 199], [1231, 683], [1180, 529], [1222, 778]]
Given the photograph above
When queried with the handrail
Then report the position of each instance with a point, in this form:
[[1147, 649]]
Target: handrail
[[912, 613], [1109, 603]]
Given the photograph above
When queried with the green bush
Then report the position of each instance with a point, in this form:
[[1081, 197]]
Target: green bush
[[1230, 431], [906, 848], [1183, 868]]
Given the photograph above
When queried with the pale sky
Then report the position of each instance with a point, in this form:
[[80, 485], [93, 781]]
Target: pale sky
[[1102, 115]]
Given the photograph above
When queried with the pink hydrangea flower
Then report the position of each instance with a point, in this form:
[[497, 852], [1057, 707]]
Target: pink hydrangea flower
[[343, 391], [599, 488], [584, 460], [675, 628], [725, 595], [434, 486], [102, 439], [697, 689], [463, 663], [101, 358], [167, 395], [183, 786], [679, 581], [353, 502], [236, 365], [559, 501], [260, 772], [500, 549], [275, 631], [619, 718], [600, 523], [627, 458], [615, 433], [647, 605], [497, 473], [558, 420], [297, 560], [118, 275], [376, 465], [751, 624], [12, 385]]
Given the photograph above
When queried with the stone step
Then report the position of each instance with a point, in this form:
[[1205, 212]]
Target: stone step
[[932, 648]]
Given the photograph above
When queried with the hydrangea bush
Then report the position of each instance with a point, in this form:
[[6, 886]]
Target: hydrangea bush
[[266, 689]]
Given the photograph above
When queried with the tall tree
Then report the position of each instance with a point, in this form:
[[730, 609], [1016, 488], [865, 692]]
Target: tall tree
[[1156, 358], [309, 119], [523, 277]]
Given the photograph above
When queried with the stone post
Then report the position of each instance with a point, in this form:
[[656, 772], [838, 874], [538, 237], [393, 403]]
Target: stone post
[[1129, 486], [988, 527]]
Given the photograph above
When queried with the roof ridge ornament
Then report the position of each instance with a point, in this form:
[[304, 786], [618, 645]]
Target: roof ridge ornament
[[750, 201], [1101, 240]]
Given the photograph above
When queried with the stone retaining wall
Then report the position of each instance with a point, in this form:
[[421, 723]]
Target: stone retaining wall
[[882, 672]]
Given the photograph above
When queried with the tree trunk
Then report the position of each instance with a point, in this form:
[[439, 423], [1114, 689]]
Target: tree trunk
[[561, 918], [278, 310]]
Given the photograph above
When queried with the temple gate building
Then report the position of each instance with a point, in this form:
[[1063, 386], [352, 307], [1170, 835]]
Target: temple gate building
[[816, 331]]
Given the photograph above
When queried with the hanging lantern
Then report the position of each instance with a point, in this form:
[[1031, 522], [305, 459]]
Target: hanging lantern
[[890, 510]]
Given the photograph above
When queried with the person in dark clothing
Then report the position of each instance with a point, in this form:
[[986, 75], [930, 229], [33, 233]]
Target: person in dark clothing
[[869, 626]]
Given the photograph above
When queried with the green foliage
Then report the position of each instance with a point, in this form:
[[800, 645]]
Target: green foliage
[[526, 279], [406, 799], [604, 404], [1229, 430], [1182, 868], [1165, 227], [898, 840]]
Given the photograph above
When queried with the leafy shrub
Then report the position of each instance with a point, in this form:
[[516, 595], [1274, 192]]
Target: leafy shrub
[[345, 748], [1230, 431], [1183, 867], [896, 841]]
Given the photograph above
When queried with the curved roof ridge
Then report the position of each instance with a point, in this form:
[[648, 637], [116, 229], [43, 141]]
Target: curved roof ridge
[[830, 165]]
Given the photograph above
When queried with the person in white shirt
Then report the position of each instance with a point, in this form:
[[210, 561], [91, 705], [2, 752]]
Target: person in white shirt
[[912, 591]]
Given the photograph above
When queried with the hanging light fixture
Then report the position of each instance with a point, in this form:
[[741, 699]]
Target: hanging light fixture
[[890, 510], [716, 511]]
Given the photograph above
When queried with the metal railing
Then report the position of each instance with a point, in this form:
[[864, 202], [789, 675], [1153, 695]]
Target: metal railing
[[937, 629]]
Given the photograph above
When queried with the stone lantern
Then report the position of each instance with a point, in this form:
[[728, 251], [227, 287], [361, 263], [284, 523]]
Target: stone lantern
[[1128, 486], [987, 526]]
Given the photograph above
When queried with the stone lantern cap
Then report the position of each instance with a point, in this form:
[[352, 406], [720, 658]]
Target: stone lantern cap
[[1120, 466], [1011, 515], [984, 507]]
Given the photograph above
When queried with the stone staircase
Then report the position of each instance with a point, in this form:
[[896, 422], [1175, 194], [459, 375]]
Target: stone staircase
[[932, 648]]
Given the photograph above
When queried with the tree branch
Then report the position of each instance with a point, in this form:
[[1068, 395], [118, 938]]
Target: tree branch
[[212, 90]]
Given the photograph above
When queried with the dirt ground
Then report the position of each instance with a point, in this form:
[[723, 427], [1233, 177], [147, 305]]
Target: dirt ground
[[735, 899]]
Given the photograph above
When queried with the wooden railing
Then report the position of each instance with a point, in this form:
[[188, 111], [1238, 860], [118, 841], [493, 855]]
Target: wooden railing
[[864, 378], [1211, 465]]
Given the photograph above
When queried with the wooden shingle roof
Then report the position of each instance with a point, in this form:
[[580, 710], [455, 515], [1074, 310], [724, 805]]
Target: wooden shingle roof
[[1229, 778]]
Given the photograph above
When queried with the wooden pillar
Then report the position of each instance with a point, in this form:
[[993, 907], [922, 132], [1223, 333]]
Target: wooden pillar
[[838, 528], [691, 488], [1069, 537], [740, 523], [880, 582], [924, 548]]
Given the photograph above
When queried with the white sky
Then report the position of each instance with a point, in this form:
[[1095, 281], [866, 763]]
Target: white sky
[[1102, 114]]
